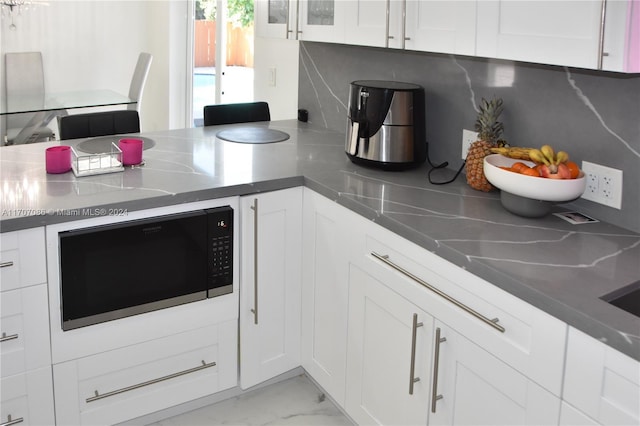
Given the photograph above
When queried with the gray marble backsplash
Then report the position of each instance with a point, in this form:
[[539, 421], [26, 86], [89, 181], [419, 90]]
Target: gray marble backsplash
[[594, 116]]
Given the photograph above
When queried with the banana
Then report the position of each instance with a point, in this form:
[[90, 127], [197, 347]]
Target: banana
[[537, 156], [547, 151], [515, 152], [562, 157]]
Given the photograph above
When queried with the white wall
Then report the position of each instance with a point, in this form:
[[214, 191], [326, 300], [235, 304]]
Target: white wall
[[283, 56], [95, 45]]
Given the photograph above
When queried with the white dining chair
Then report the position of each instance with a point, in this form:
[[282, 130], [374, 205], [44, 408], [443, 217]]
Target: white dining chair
[[139, 79], [24, 78]]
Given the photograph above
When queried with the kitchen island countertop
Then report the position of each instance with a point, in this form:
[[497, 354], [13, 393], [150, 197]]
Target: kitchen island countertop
[[561, 268]]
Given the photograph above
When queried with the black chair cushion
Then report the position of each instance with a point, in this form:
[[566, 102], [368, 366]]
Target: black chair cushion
[[99, 124], [236, 113]]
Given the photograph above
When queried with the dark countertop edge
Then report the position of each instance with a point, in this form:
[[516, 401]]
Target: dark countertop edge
[[514, 287]]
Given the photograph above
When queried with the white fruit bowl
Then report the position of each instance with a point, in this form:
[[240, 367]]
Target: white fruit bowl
[[536, 188]]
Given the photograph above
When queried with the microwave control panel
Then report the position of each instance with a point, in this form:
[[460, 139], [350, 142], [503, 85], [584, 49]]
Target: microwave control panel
[[220, 250]]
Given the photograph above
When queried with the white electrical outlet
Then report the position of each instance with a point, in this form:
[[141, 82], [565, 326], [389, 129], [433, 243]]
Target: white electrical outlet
[[468, 137], [604, 184]]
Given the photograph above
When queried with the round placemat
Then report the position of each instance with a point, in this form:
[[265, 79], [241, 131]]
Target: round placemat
[[252, 135], [101, 144]]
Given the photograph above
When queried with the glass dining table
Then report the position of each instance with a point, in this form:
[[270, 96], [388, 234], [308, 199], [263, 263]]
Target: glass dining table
[[54, 105]]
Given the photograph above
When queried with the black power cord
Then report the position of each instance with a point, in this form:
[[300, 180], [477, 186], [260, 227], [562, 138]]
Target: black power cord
[[441, 166]]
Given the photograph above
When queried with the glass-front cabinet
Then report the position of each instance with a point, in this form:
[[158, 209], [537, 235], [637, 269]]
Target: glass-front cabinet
[[312, 20]]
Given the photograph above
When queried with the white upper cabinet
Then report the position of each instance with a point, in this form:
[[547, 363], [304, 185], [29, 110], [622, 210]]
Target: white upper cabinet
[[441, 26], [591, 34], [321, 20], [312, 20]]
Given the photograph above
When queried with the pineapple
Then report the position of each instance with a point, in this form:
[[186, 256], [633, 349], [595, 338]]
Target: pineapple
[[489, 131]]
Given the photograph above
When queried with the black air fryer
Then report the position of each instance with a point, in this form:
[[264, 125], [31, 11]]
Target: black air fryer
[[385, 126]]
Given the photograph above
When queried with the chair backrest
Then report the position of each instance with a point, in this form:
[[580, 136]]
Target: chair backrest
[[139, 79], [236, 113], [24, 78], [99, 124]]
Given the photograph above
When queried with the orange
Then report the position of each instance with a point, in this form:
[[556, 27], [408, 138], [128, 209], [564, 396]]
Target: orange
[[518, 166], [530, 172], [573, 169]]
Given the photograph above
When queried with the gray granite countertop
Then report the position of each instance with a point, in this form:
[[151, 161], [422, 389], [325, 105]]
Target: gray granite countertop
[[561, 268]]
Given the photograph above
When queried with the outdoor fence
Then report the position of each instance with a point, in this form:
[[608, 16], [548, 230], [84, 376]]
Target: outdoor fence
[[239, 45]]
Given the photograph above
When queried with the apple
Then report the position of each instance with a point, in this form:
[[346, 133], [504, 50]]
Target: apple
[[561, 172]]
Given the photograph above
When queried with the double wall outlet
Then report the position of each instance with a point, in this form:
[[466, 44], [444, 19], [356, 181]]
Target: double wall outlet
[[604, 184], [468, 137]]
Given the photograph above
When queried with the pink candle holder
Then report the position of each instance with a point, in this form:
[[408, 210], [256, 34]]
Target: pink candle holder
[[131, 151], [58, 159]]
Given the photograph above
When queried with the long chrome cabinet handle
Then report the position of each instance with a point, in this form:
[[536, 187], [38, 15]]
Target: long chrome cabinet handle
[[601, 52], [4, 338], [298, 31], [412, 369], [436, 362], [10, 422], [6, 265], [255, 260], [404, 23], [492, 322], [98, 396], [287, 27], [386, 33]]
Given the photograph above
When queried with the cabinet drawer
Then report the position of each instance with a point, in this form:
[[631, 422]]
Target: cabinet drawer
[[122, 384], [22, 259], [27, 396], [519, 334], [24, 327]]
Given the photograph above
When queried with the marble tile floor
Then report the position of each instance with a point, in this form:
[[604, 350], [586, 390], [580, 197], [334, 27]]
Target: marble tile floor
[[295, 401]]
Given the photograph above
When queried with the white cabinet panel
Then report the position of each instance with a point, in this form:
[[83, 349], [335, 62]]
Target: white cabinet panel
[[601, 382], [276, 18], [441, 26], [329, 232], [321, 20], [27, 396], [477, 388], [386, 345], [125, 383], [570, 416], [270, 285], [22, 258], [25, 330]]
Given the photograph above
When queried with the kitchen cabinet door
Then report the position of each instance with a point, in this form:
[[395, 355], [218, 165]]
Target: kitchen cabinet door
[[321, 20], [558, 33], [388, 356], [601, 382], [329, 234], [441, 26], [366, 22], [471, 386], [271, 229], [276, 18]]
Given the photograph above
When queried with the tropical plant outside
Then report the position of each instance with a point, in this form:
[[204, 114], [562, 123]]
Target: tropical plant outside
[[240, 12]]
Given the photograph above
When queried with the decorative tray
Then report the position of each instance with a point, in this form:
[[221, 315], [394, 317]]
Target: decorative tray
[[96, 164]]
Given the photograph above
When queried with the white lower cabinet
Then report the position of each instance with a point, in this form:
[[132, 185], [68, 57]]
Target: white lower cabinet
[[388, 355], [328, 241], [271, 235], [570, 416], [27, 398], [474, 387], [601, 382], [122, 384]]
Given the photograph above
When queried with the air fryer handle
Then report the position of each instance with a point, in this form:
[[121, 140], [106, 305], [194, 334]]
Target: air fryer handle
[[354, 138]]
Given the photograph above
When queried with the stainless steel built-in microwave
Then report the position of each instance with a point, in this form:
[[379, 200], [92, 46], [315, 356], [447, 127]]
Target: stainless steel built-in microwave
[[119, 270]]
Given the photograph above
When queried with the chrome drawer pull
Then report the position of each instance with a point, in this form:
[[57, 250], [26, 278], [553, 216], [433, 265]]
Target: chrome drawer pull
[[412, 370], [6, 265], [493, 323], [97, 396], [254, 207], [436, 362], [10, 422], [4, 338]]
